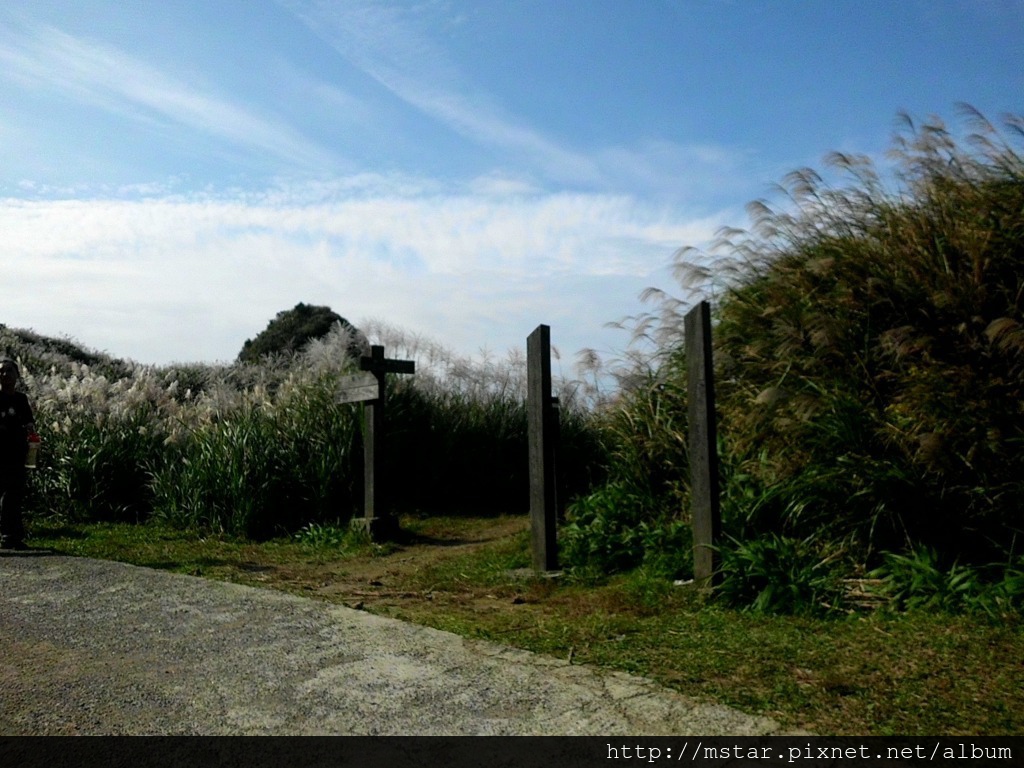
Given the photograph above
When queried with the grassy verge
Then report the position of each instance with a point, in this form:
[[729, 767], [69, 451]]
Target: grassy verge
[[872, 674]]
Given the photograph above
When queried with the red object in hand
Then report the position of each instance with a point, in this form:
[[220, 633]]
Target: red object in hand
[[33, 448]]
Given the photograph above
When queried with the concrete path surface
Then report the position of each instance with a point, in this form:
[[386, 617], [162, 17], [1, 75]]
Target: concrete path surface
[[96, 647]]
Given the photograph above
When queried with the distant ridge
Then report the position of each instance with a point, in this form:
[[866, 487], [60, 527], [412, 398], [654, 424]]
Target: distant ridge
[[38, 352]]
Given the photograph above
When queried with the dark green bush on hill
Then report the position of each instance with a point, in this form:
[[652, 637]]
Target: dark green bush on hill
[[292, 329], [870, 357]]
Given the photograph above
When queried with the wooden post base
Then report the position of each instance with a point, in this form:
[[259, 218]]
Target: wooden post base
[[379, 528]]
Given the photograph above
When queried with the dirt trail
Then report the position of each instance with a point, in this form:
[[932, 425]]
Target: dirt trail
[[396, 579]]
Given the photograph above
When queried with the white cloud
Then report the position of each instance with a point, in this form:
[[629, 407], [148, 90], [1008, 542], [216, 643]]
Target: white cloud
[[163, 279], [42, 57]]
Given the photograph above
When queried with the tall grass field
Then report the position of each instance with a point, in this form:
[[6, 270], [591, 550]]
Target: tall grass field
[[263, 449], [869, 365]]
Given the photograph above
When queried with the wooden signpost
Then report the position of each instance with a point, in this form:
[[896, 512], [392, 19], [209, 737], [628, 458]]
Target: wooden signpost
[[369, 387], [358, 388], [706, 516], [542, 427]]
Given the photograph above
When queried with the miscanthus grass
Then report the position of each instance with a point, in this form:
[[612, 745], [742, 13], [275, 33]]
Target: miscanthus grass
[[261, 449], [869, 365]]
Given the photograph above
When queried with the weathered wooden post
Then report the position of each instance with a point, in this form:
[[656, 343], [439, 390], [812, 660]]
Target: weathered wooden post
[[542, 431], [705, 510], [378, 518]]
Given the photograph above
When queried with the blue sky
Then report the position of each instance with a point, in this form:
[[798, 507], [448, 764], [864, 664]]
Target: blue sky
[[174, 174]]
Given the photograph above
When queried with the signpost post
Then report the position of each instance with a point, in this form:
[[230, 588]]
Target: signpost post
[[542, 425], [369, 387], [705, 515]]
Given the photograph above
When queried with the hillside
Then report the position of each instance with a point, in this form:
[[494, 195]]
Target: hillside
[[41, 353]]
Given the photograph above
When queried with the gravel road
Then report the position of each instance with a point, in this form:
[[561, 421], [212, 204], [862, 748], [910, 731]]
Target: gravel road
[[96, 647]]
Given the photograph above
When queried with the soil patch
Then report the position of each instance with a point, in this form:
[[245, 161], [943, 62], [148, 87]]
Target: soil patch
[[396, 578]]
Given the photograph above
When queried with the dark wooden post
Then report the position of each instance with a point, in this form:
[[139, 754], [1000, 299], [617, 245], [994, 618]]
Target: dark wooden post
[[705, 510], [375, 510], [542, 437], [378, 517]]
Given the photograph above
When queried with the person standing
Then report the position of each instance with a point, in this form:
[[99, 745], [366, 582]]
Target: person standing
[[15, 427]]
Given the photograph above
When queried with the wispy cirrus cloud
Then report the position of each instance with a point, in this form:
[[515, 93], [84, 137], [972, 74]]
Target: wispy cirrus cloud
[[44, 58], [396, 46], [386, 43]]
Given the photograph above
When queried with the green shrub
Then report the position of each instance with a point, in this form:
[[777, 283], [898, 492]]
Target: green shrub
[[919, 580], [333, 536], [608, 531], [776, 574], [639, 514]]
